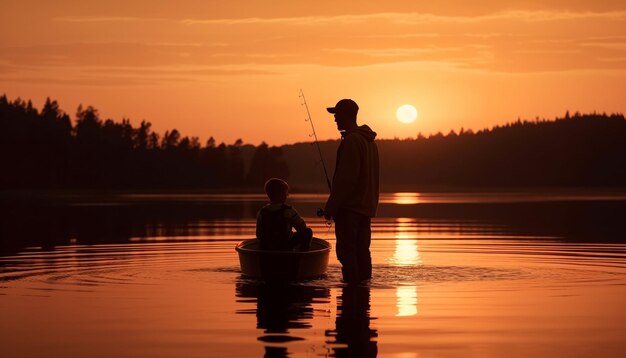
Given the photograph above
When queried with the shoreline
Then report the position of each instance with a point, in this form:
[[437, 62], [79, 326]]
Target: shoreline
[[34, 194]]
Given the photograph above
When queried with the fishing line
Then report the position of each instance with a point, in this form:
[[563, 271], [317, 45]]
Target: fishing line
[[319, 150], [320, 211]]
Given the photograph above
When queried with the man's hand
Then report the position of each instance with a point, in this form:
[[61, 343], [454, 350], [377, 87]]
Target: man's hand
[[321, 212]]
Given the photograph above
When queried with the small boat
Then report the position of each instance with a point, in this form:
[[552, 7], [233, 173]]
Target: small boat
[[283, 265]]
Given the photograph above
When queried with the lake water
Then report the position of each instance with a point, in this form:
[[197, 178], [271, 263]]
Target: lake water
[[455, 275]]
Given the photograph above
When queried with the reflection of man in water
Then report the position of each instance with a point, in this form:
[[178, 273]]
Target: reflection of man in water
[[352, 326], [354, 196]]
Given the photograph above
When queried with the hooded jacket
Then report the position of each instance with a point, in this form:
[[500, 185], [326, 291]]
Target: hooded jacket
[[274, 223], [356, 177]]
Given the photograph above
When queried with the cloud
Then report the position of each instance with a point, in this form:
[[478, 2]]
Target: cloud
[[615, 59], [187, 71], [84, 19], [414, 18], [509, 41], [407, 18], [94, 81], [90, 75]]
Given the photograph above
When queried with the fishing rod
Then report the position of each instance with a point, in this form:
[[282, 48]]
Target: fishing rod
[[314, 135], [320, 211]]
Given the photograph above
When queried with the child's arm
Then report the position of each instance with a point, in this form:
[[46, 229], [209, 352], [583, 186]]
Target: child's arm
[[258, 225], [295, 219]]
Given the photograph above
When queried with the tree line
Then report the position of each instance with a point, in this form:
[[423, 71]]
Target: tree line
[[47, 150], [579, 150]]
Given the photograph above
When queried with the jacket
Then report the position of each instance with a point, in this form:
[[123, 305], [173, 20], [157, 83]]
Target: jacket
[[274, 225], [355, 184]]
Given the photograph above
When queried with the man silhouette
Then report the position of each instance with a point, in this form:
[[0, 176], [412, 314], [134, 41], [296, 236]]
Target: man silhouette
[[354, 196]]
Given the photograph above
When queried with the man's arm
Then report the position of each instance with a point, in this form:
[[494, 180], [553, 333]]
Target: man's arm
[[346, 176]]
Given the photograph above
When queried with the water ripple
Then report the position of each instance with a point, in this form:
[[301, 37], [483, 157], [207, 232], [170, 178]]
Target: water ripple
[[90, 267]]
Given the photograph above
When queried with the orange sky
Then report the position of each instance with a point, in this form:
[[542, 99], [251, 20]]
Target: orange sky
[[233, 69]]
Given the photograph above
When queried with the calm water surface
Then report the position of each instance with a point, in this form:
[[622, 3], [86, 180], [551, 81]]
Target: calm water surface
[[481, 275]]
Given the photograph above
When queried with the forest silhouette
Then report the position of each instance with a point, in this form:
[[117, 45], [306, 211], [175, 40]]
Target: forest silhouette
[[579, 150], [48, 150]]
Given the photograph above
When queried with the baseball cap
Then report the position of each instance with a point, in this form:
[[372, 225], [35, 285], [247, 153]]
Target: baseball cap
[[344, 105]]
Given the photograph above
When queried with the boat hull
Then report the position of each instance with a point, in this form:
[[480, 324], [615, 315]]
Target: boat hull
[[283, 265]]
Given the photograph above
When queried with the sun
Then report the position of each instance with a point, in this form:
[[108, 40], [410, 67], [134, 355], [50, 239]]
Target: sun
[[406, 113]]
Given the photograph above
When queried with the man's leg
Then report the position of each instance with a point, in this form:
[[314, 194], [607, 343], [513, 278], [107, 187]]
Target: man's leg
[[346, 231], [364, 257]]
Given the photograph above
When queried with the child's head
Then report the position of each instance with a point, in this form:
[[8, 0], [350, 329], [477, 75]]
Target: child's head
[[276, 190]]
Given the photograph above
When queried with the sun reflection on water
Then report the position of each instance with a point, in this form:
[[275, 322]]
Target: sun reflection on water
[[406, 254], [406, 301], [405, 198], [406, 250]]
